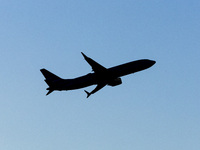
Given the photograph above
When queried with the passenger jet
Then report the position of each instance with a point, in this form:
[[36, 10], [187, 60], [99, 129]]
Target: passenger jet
[[100, 76]]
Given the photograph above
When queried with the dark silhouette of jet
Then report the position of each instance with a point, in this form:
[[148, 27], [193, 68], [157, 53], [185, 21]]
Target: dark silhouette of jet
[[101, 76]]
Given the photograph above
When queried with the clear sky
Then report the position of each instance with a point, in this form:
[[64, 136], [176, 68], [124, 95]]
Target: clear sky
[[156, 109]]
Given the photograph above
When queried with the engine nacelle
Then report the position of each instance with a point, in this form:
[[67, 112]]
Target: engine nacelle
[[115, 82]]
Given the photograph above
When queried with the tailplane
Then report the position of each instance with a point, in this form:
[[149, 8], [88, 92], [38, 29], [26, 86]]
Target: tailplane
[[50, 90]]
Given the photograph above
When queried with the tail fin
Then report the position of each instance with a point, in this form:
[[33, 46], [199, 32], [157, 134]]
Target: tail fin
[[48, 75], [49, 79]]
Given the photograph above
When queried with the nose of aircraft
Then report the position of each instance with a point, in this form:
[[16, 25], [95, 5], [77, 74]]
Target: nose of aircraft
[[153, 62]]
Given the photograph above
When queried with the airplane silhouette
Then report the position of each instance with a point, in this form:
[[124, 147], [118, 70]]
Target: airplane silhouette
[[101, 76]]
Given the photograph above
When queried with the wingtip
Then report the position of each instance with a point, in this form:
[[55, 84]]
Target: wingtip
[[42, 69], [83, 55]]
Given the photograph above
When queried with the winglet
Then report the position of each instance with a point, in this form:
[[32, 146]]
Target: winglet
[[88, 94]]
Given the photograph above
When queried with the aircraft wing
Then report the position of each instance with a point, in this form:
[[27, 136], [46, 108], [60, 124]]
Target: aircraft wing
[[96, 67], [98, 87]]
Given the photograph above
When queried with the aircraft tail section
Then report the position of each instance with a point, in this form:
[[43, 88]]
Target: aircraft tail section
[[50, 90], [50, 79], [48, 75]]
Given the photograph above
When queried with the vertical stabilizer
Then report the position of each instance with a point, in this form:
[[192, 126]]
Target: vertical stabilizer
[[48, 75]]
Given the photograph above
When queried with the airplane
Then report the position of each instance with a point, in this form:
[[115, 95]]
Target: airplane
[[100, 76]]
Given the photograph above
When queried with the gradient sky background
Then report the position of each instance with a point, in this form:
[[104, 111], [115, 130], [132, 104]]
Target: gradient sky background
[[156, 109]]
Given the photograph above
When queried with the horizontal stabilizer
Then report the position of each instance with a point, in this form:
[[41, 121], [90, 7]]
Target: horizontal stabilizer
[[50, 90]]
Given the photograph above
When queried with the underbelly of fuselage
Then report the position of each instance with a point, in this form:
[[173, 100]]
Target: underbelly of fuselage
[[80, 82]]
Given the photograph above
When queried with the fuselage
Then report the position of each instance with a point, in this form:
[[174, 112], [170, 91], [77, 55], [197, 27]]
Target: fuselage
[[106, 76]]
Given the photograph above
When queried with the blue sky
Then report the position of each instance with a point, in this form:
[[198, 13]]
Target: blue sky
[[154, 109]]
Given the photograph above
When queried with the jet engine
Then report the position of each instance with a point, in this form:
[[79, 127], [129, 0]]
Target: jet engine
[[115, 82]]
